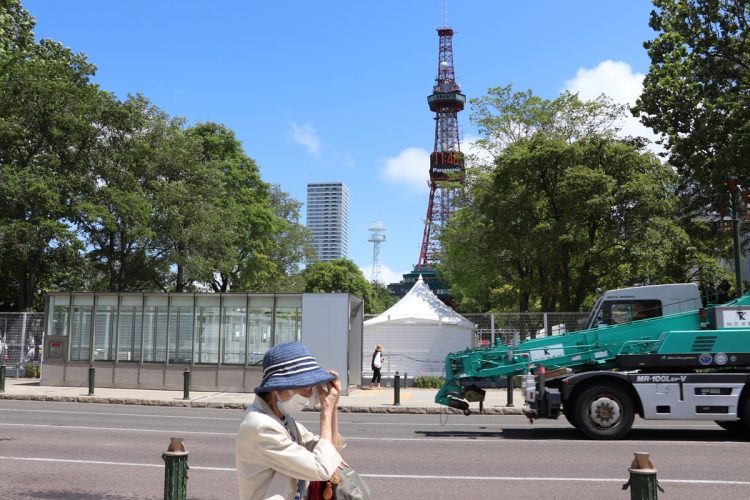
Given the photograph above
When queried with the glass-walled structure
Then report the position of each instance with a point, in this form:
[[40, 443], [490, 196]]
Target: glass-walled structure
[[149, 339], [231, 329]]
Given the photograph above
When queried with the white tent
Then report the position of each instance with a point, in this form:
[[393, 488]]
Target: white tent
[[417, 333]]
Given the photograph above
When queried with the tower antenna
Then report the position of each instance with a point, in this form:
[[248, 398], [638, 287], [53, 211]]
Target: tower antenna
[[377, 236], [445, 12]]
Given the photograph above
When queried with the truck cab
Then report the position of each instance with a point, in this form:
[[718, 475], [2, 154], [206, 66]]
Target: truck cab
[[651, 301]]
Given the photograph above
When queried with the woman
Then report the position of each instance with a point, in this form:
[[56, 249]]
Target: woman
[[275, 456], [377, 363]]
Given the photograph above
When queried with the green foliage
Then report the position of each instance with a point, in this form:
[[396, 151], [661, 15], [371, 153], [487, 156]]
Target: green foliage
[[428, 382], [565, 208], [380, 299], [31, 370], [695, 94], [340, 275], [103, 194], [343, 275], [50, 114]]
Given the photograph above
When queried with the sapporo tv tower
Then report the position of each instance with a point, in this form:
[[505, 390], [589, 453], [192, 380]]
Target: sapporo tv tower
[[446, 170], [446, 160]]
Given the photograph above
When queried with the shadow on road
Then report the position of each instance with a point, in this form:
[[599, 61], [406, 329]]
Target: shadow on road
[[570, 433]]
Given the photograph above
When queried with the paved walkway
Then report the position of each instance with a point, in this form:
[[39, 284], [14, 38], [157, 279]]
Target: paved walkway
[[412, 400]]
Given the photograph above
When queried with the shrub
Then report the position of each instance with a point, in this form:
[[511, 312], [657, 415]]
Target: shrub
[[428, 382], [31, 370]]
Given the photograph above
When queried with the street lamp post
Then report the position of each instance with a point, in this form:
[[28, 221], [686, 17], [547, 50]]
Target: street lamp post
[[735, 198]]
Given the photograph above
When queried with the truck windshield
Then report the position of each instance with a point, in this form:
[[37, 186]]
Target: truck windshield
[[613, 312]]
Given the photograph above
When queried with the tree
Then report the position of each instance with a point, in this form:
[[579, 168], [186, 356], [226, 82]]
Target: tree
[[566, 207], [116, 212], [243, 238], [381, 298], [696, 94], [50, 115], [340, 275]]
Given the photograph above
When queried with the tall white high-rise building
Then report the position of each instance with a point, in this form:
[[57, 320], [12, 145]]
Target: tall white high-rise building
[[328, 219]]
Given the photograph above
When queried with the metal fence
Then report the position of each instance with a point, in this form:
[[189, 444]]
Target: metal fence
[[492, 328], [21, 337]]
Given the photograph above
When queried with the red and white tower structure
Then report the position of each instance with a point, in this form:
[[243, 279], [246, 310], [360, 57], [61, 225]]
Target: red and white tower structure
[[446, 161]]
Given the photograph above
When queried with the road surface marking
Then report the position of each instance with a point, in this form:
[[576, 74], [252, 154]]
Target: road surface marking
[[401, 476]]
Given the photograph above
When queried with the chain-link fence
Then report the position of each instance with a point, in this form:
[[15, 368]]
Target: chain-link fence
[[21, 337], [494, 328], [504, 328]]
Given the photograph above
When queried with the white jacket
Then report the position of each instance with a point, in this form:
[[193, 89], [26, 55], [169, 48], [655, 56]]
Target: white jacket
[[269, 462]]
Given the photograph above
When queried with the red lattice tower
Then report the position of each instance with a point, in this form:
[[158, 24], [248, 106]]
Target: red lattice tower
[[446, 160]]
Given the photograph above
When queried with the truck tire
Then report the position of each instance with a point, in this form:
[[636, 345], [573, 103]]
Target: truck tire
[[604, 411], [569, 412]]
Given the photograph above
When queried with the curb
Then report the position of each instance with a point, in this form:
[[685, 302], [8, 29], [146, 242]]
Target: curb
[[241, 406]]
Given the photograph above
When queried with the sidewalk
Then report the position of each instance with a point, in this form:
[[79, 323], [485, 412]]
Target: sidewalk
[[412, 400]]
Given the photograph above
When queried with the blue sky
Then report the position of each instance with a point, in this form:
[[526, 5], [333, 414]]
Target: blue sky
[[335, 90]]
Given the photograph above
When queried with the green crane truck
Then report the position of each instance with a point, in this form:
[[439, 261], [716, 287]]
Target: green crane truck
[[653, 351]]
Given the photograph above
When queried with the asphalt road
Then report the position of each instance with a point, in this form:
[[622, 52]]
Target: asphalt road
[[95, 451]]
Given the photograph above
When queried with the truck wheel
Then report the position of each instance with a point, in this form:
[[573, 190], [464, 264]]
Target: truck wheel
[[604, 412], [569, 412], [742, 426]]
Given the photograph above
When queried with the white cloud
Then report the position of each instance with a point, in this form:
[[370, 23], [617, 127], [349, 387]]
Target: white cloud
[[307, 136], [387, 274], [476, 155], [411, 168], [618, 81]]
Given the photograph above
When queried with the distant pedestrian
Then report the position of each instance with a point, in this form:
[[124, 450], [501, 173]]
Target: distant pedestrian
[[377, 364]]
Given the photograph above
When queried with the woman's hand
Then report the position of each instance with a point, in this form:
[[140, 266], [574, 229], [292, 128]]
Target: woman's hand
[[329, 399]]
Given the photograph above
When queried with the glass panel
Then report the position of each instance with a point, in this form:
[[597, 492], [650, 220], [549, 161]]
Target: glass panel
[[106, 299], [180, 334], [60, 321], [207, 335], [288, 301], [288, 324], [182, 300], [130, 300], [261, 301], [129, 334], [149, 334], [160, 339], [259, 332], [83, 300], [80, 339], [207, 300], [235, 300], [103, 328], [156, 300], [233, 342], [59, 300]]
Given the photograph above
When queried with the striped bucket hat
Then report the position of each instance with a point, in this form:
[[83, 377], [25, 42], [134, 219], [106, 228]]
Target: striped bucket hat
[[291, 366]]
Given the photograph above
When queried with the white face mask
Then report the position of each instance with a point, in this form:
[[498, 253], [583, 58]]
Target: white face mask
[[294, 404], [314, 398]]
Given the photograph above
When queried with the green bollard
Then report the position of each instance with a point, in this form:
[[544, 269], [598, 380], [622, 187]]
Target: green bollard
[[396, 390], [175, 470], [186, 384], [509, 383], [2, 378], [92, 375], [643, 484]]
